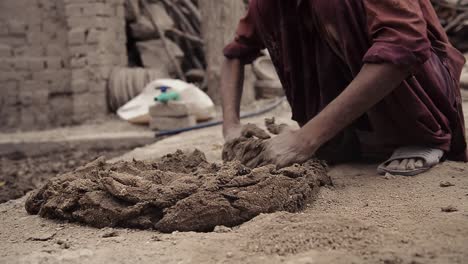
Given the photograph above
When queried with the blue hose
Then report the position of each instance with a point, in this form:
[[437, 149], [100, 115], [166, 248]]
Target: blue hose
[[264, 110]]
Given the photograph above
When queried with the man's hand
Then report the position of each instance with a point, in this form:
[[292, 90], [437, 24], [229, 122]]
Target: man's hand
[[254, 147], [231, 132], [285, 149]]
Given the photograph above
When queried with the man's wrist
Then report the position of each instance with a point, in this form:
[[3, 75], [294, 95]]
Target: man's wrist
[[309, 141]]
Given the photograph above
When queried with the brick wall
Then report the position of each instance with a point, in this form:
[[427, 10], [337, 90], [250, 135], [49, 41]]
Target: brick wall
[[97, 40], [55, 58]]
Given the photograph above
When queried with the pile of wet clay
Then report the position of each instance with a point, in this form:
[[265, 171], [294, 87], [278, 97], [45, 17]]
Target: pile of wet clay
[[179, 192]]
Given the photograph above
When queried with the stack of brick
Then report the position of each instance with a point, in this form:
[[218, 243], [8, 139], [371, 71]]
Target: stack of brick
[[33, 65], [55, 59], [96, 39], [170, 116]]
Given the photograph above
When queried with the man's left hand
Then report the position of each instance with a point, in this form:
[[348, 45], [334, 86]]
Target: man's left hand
[[286, 149]]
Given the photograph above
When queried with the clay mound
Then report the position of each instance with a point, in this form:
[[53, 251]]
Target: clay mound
[[180, 192]]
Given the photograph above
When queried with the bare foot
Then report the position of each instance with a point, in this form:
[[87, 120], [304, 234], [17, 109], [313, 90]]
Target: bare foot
[[411, 160], [406, 164]]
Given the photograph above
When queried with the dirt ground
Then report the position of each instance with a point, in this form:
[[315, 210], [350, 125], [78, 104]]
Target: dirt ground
[[20, 174], [363, 218]]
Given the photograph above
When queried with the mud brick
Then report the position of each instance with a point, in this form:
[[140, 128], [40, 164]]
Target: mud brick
[[25, 96], [98, 86], [33, 21], [41, 94], [46, 75], [118, 25], [14, 75], [79, 85], [68, 2], [55, 50], [60, 86], [10, 117], [36, 37], [116, 60], [16, 27], [41, 116], [76, 36], [54, 63], [20, 64], [106, 23], [105, 48], [10, 92], [116, 2], [96, 9], [60, 110], [73, 22], [47, 4], [27, 120], [63, 74], [94, 75], [119, 11], [98, 105], [78, 62], [100, 59], [50, 29], [29, 85], [3, 29], [81, 107], [107, 36], [95, 58], [123, 60], [6, 65], [55, 32], [80, 74], [82, 49], [36, 64], [29, 51], [93, 36], [84, 22], [5, 51], [171, 109], [13, 41], [170, 123], [103, 72], [80, 115], [74, 10]]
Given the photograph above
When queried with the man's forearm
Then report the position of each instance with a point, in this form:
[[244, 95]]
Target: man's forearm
[[232, 79], [371, 85]]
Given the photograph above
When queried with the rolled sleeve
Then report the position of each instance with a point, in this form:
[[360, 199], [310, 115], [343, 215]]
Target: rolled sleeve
[[247, 44], [398, 33]]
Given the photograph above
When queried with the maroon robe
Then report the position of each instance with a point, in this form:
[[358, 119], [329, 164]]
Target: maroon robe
[[319, 46]]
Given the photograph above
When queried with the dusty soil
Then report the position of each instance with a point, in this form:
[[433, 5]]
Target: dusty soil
[[362, 218], [20, 174]]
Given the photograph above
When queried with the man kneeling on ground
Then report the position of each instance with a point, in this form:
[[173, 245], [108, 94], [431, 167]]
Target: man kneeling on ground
[[363, 78]]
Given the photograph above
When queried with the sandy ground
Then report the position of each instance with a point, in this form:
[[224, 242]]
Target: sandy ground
[[363, 218]]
